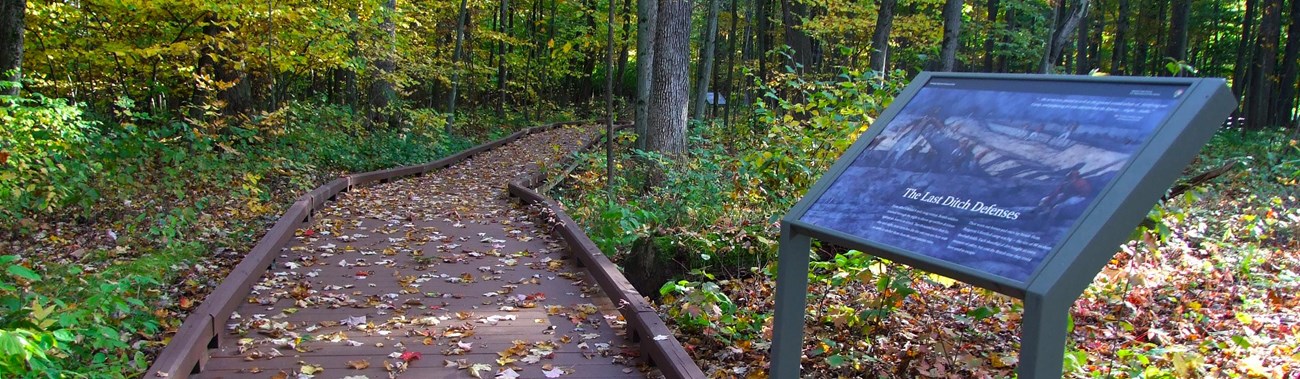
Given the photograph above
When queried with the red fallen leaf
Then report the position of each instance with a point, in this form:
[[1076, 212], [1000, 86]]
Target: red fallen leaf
[[186, 303], [308, 233], [362, 274], [410, 356], [4, 157], [536, 297]]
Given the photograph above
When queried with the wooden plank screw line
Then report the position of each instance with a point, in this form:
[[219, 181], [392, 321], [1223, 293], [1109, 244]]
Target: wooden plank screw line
[[186, 353], [435, 276]]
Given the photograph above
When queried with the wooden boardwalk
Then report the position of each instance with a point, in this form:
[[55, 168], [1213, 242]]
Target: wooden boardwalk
[[435, 276]]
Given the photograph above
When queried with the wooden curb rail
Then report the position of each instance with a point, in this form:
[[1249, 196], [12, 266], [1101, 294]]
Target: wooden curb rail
[[643, 321], [187, 352]]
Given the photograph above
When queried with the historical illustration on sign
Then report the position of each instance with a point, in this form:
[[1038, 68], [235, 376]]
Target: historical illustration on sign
[[988, 176]]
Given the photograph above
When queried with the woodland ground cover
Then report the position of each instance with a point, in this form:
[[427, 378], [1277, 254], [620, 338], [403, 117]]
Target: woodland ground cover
[[1206, 289], [115, 226]]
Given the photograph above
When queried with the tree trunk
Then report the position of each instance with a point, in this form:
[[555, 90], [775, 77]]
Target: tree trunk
[[619, 85], [1178, 25], [1241, 68], [1120, 49], [455, 62], [764, 35], [1081, 65], [1064, 30], [731, 62], [609, 103], [1010, 27], [1262, 76], [951, 34], [647, 12], [991, 12], [666, 132], [880, 36], [13, 15], [1094, 42], [381, 91], [792, 14], [501, 60], [705, 68], [1290, 60]]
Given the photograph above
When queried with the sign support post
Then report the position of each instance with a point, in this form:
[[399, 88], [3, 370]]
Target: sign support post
[[1042, 335], [791, 298]]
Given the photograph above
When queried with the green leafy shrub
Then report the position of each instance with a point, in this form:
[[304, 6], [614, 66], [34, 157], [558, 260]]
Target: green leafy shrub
[[43, 151]]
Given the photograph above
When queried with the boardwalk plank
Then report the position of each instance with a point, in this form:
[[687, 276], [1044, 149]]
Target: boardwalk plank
[[447, 246]]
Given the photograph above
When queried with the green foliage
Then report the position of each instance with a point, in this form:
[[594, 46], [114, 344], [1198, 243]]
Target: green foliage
[[169, 192], [44, 337], [881, 287], [43, 155], [706, 309]]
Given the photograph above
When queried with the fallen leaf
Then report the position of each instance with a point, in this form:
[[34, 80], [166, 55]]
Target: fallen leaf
[[310, 369], [554, 372], [360, 364], [410, 356], [478, 369]]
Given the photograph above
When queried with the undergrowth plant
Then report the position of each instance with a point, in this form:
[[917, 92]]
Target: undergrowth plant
[[113, 219]]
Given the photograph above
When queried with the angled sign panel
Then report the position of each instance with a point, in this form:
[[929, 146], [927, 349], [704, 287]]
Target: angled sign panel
[[990, 174]]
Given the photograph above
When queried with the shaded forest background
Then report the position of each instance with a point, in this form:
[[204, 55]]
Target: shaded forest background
[[199, 60]]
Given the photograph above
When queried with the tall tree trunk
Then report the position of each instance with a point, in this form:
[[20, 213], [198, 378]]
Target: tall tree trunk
[[1120, 50], [619, 86], [647, 12], [991, 12], [381, 85], [1081, 65], [731, 62], [1061, 36], [951, 34], [586, 93], [705, 68], [1262, 76], [1094, 42], [880, 36], [1178, 24], [455, 62], [1241, 68], [1159, 38], [13, 15], [764, 35], [503, 14], [609, 103], [1290, 60], [666, 132], [1010, 27], [792, 14]]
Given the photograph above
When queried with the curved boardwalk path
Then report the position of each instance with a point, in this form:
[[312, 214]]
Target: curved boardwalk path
[[427, 277]]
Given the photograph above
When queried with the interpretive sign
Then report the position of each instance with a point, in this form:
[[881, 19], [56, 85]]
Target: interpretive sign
[[1023, 184], [990, 174]]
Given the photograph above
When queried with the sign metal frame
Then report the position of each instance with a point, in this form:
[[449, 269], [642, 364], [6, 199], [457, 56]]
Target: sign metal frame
[[1064, 272]]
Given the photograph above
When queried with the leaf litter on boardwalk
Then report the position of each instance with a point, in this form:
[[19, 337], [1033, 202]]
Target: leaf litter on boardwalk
[[399, 256]]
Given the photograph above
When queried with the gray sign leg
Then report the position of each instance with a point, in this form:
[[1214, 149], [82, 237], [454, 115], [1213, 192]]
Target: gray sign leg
[[1042, 338], [791, 298]]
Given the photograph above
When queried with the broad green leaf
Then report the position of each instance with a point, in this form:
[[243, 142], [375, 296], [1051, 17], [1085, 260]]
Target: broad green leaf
[[23, 272]]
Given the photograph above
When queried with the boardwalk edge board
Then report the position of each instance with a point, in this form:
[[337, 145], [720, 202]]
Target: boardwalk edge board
[[187, 352], [643, 321]]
